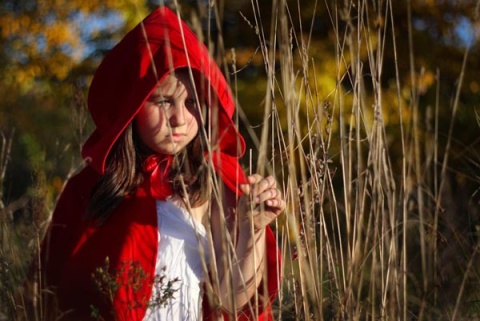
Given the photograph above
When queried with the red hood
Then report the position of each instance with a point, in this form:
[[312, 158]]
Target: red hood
[[158, 45]]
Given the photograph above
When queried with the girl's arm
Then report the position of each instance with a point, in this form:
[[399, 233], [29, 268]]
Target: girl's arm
[[259, 205]]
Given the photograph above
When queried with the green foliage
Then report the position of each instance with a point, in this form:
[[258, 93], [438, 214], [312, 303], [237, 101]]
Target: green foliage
[[105, 282], [131, 277], [7, 286], [165, 290]]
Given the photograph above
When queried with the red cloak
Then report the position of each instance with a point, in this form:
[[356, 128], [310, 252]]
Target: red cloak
[[75, 249]]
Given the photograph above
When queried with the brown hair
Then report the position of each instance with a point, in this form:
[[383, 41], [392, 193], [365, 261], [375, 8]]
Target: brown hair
[[123, 174]]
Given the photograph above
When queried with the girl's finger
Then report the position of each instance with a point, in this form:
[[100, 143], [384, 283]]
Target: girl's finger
[[271, 203], [272, 197], [254, 179], [245, 188], [263, 185]]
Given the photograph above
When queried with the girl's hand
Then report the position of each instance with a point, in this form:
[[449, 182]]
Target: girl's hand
[[261, 201]]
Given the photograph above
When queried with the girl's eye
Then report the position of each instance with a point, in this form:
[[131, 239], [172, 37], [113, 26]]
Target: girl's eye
[[164, 103], [190, 103]]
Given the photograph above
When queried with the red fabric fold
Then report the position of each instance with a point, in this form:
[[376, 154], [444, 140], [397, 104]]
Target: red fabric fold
[[156, 169]]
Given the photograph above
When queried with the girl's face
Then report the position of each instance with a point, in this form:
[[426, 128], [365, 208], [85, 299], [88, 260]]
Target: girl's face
[[168, 120]]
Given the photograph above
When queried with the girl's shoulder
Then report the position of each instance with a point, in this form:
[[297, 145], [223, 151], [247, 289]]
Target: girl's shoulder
[[77, 190], [84, 179]]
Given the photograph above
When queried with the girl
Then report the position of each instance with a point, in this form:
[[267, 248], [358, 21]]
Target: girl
[[162, 224]]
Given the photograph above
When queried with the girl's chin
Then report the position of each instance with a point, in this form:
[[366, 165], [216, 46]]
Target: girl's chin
[[172, 149]]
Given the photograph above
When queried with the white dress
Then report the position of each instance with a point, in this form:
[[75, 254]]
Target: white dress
[[181, 253]]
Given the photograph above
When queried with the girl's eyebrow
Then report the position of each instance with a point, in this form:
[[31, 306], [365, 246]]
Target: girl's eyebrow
[[155, 96]]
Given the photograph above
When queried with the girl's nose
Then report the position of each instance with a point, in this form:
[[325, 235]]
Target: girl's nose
[[177, 115]]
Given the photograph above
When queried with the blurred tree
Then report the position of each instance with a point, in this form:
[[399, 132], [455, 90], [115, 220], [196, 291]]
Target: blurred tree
[[441, 32], [49, 51]]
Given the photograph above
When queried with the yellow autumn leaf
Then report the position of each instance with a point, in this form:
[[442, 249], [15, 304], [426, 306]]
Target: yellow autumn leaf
[[60, 33], [425, 80]]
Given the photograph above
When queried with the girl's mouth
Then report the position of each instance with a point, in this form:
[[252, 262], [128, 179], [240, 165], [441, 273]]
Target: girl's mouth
[[176, 137]]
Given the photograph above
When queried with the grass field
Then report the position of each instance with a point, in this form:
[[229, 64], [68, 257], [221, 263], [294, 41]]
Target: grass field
[[380, 224]]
